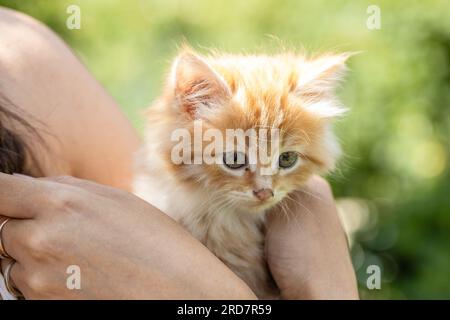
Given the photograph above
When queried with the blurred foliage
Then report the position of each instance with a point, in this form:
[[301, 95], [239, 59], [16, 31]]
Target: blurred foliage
[[396, 137]]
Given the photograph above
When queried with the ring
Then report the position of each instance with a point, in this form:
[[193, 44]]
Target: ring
[[7, 276], [3, 253]]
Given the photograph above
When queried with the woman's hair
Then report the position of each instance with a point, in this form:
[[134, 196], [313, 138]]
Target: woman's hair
[[14, 151]]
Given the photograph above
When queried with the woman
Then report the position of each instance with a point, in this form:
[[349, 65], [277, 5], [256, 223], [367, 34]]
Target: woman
[[57, 120]]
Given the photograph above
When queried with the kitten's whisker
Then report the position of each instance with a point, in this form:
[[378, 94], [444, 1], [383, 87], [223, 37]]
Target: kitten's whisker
[[299, 203], [285, 211], [306, 135], [311, 194]]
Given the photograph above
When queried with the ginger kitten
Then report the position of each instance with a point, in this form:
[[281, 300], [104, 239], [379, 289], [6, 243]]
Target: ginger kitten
[[223, 203]]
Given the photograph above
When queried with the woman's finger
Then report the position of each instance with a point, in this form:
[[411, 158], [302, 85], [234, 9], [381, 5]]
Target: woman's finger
[[16, 275], [3, 253], [23, 197], [14, 234]]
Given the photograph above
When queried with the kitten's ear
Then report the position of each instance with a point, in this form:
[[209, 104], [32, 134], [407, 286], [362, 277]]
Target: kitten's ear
[[317, 81], [196, 85]]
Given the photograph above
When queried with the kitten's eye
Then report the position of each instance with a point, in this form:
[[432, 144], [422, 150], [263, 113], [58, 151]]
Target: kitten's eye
[[234, 160], [287, 159]]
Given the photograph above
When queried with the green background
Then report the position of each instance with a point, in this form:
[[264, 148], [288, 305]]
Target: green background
[[393, 184]]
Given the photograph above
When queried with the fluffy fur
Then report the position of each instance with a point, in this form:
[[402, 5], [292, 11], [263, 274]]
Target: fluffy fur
[[286, 91]]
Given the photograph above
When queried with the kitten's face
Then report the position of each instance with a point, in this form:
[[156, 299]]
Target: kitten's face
[[289, 97]]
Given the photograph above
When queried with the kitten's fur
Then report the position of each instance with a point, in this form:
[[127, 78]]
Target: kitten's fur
[[285, 91]]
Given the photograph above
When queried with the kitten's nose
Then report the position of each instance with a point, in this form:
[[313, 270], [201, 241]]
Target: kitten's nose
[[263, 194]]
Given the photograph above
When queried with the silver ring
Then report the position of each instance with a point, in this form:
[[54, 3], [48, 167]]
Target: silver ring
[[3, 253], [7, 276]]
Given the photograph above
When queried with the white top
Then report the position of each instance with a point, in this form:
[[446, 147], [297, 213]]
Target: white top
[[4, 294]]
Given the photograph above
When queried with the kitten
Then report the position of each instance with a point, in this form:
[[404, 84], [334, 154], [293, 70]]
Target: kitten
[[223, 204]]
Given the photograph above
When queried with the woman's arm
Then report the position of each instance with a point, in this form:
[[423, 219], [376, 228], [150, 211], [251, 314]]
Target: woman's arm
[[84, 130], [124, 247], [307, 249]]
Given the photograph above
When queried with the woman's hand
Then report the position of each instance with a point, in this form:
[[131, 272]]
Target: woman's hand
[[307, 248], [124, 247]]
